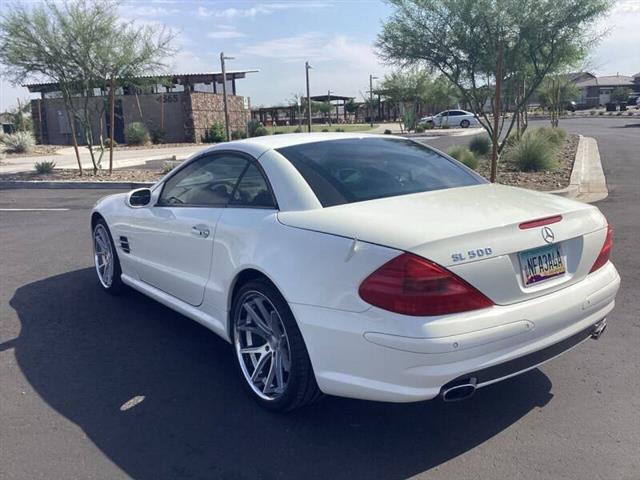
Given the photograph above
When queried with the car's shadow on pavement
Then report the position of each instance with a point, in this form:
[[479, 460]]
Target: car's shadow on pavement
[[87, 354]]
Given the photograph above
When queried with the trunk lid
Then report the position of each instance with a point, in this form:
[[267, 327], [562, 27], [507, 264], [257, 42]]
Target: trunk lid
[[474, 231]]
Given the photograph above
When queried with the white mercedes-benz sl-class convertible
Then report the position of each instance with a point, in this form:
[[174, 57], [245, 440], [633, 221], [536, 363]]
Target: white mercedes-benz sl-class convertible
[[364, 266]]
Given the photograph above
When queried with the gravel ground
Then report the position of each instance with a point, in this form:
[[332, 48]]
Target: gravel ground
[[508, 173], [37, 150], [133, 175]]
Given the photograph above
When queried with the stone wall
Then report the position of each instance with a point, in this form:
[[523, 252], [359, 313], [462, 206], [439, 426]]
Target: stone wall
[[162, 112], [208, 108]]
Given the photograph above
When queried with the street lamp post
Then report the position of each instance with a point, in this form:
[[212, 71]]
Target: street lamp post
[[224, 95], [371, 79], [306, 68]]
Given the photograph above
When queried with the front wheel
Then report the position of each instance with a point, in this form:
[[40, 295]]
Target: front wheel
[[270, 351], [465, 123], [106, 259]]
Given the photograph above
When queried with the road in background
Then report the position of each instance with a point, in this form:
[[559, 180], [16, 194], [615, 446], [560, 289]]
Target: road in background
[[73, 360]]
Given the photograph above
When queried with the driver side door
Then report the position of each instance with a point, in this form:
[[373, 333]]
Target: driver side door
[[172, 240]]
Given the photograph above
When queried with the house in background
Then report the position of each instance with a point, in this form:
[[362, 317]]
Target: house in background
[[6, 123], [179, 107], [595, 91]]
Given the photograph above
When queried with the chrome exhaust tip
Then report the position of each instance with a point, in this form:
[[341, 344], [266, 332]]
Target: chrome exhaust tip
[[598, 329], [461, 391]]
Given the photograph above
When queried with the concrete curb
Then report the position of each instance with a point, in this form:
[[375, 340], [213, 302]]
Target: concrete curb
[[6, 185], [587, 182]]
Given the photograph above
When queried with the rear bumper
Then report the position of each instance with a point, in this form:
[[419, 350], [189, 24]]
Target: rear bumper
[[377, 355]]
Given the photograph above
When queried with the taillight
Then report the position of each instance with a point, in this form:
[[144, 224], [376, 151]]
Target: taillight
[[412, 285], [605, 252]]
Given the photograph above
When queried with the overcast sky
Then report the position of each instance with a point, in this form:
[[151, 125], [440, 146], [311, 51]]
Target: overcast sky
[[335, 36]]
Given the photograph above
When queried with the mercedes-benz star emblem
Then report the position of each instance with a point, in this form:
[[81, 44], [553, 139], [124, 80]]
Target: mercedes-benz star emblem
[[547, 235]]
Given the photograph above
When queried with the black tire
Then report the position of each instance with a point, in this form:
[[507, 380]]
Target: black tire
[[116, 287], [301, 388], [465, 123]]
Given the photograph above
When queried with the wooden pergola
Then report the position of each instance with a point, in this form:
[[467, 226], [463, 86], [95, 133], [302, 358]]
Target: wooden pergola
[[335, 100]]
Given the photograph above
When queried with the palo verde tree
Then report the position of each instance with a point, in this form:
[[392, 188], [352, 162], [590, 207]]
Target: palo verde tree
[[555, 92], [83, 47], [479, 44]]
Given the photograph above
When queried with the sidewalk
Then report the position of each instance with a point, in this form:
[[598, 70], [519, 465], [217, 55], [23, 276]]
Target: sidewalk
[[66, 158], [433, 133]]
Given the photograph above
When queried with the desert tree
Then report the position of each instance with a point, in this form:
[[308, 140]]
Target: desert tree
[[479, 44], [555, 92], [83, 47]]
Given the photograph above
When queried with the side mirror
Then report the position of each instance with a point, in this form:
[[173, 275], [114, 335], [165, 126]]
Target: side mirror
[[139, 197]]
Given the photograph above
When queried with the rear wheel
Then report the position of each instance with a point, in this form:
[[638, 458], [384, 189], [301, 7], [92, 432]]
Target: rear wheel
[[106, 259], [270, 352], [465, 123]]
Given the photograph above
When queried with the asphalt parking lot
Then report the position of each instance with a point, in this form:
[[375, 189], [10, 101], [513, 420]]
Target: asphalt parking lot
[[71, 357]]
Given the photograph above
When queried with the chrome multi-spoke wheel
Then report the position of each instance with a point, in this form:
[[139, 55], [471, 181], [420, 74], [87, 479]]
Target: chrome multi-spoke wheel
[[106, 259], [103, 255], [271, 354], [262, 346]]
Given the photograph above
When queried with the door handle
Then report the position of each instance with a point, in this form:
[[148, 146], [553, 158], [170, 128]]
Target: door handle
[[200, 230]]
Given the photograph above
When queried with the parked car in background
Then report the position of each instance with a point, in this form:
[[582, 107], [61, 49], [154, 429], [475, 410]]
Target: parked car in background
[[453, 118], [363, 266]]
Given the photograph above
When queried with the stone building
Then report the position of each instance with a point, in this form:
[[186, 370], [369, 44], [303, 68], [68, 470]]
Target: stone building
[[176, 108]]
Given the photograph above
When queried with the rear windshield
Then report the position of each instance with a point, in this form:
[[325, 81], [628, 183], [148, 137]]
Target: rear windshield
[[357, 169]]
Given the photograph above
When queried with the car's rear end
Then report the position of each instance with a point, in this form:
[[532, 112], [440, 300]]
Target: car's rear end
[[482, 282]]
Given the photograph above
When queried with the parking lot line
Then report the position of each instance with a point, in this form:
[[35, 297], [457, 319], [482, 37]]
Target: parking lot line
[[33, 209]]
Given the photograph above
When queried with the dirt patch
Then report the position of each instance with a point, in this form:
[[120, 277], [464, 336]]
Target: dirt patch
[[37, 151], [72, 175], [508, 173]]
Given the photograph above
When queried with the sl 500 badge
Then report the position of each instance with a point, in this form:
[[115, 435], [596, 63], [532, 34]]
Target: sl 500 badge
[[472, 254]]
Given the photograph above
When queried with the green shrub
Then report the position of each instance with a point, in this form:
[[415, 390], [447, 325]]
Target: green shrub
[[592, 112], [387, 131], [630, 113], [278, 132], [19, 142], [533, 152], [260, 132], [325, 130], [480, 145], [238, 135], [446, 126], [136, 133], [339, 130], [555, 135], [618, 114], [298, 130], [253, 126], [216, 133], [600, 113], [107, 143], [45, 167], [157, 136], [419, 129], [464, 155], [428, 125], [167, 167]]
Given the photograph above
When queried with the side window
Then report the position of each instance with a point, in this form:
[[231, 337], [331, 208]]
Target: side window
[[208, 181], [253, 190]]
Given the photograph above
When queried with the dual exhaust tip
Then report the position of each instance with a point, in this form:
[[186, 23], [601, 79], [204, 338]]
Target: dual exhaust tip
[[466, 387]]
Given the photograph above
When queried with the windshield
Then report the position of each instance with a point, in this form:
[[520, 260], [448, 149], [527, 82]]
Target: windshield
[[357, 169]]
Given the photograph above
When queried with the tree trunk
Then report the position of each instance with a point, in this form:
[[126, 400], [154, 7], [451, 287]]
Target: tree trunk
[[74, 140], [112, 118], [496, 115]]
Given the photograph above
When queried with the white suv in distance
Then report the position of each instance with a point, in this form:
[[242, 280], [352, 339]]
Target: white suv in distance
[[453, 118]]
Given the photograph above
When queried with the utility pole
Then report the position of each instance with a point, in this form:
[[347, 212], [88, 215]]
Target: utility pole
[[371, 79], [224, 95], [306, 68]]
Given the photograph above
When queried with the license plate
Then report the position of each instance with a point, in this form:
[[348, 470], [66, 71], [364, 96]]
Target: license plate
[[541, 264]]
